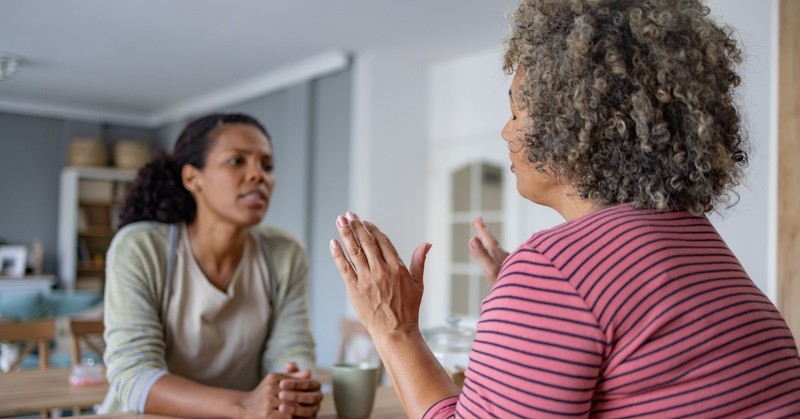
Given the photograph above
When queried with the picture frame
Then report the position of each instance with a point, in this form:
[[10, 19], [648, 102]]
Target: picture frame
[[13, 260]]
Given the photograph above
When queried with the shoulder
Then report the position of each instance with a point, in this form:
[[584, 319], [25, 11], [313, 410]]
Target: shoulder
[[280, 244], [147, 239], [142, 231], [276, 237]]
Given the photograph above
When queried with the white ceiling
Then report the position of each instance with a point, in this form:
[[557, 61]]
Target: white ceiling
[[138, 59]]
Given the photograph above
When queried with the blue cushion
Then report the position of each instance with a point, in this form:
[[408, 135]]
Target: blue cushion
[[61, 303], [22, 306]]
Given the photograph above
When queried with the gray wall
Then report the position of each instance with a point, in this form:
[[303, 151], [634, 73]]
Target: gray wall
[[309, 125], [33, 150]]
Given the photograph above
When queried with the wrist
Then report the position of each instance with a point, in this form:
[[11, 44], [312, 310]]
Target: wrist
[[397, 337], [236, 409]]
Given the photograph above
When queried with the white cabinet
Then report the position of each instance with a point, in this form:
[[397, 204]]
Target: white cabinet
[[89, 204], [28, 283]]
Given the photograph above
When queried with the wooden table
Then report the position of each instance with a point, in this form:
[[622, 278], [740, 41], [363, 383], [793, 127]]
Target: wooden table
[[29, 391], [387, 406]]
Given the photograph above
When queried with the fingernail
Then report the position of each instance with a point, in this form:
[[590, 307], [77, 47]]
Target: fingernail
[[368, 225], [352, 216], [334, 244], [283, 396], [341, 221]]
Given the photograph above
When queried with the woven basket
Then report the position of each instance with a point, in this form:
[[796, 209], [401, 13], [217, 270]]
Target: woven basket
[[131, 154], [88, 152]]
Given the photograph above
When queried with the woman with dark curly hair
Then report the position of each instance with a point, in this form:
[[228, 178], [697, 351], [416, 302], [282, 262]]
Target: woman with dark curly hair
[[623, 120], [206, 311]]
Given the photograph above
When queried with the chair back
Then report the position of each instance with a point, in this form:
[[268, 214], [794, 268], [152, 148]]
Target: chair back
[[352, 330], [86, 335], [356, 345], [32, 334]]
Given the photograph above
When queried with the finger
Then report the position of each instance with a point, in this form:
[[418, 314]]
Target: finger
[[488, 263], [417, 267], [274, 378], [291, 367], [299, 411], [351, 244], [489, 241], [387, 248], [368, 242], [281, 413], [300, 384], [301, 375], [300, 397], [345, 268], [484, 234], [479, 251]]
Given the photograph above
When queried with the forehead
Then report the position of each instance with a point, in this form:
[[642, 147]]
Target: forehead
[[513, 92], [241, 137]]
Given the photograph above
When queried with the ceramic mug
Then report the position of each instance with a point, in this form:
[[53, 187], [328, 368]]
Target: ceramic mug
[[354, 386]]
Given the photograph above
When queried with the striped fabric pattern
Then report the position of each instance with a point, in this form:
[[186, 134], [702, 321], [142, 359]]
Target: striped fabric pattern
[[625, 313]]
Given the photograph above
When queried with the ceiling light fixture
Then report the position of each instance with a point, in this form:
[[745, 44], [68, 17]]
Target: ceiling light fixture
[[8, 66]]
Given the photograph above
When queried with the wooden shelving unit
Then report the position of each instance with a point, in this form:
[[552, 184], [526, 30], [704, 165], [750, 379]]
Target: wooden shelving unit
[[88, 218]]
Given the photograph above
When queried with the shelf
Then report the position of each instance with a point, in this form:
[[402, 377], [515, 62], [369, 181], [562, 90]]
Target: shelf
[[89, 207], [91, 203], [96, 231], [91, 266]]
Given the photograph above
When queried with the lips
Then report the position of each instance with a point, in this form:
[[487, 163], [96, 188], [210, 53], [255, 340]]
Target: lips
[[257, 197]]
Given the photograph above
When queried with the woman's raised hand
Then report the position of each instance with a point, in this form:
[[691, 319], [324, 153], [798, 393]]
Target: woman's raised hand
[[487, 251], [385, 294]]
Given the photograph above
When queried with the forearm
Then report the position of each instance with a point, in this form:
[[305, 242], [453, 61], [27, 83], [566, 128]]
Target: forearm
[[419, 379], [177, 396]]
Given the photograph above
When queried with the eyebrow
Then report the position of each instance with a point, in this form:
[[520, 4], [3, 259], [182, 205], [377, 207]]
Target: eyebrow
[[248, 151]]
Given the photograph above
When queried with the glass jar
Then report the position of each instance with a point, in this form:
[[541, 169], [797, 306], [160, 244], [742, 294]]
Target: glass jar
[[451, 343]]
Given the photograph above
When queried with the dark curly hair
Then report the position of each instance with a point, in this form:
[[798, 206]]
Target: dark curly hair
[[631, 101], [157, 193]]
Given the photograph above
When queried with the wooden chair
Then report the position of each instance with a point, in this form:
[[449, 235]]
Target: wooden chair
[[352, 331], [32, 334], [85, 334]]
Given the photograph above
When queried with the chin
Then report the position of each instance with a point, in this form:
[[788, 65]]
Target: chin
[[251, 219]]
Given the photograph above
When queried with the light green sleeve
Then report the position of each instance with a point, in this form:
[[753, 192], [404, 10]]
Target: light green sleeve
[[134, 332], [290, 338]]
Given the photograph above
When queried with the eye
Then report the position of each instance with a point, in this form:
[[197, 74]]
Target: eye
[[267, 166], [513, 117], [235, 161]]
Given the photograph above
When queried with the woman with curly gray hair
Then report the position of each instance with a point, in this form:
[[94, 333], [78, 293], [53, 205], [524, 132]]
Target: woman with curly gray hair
[[623, 120]]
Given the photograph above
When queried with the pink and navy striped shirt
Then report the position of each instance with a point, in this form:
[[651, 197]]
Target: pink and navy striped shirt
[[626, 313]]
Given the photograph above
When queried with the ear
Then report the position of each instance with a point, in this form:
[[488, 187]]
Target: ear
[[191, 178]]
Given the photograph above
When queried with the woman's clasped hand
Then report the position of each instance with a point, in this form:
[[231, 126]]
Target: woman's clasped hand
[[283, 395]]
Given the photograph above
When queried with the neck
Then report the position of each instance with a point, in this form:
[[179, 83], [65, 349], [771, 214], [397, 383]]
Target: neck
[[570, 205], [217, 248]]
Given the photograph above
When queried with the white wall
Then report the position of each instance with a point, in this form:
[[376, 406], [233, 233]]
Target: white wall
[[749, 227], [388, 152]]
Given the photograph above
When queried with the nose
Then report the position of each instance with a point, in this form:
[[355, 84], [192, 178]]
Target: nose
[[255, 172], [507, 133]]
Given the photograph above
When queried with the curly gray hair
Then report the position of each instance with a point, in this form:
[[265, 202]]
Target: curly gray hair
[[631, 101]]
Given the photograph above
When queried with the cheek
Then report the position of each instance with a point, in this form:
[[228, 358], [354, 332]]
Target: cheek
[[519, 157]]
